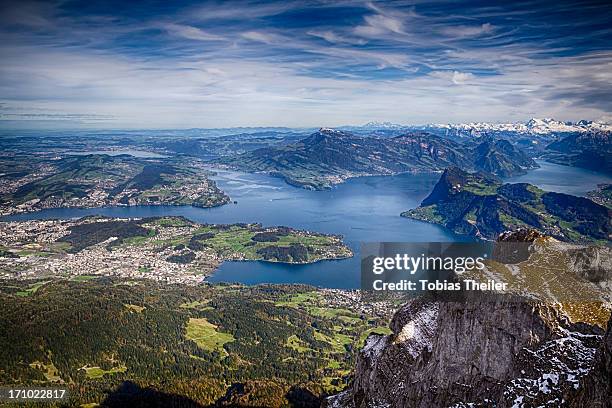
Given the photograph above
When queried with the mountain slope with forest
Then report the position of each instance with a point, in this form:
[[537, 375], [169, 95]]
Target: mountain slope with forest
[[591, 150], [119, 342], [330, 156], [482, 206]]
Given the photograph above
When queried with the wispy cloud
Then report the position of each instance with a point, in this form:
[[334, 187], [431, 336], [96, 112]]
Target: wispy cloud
[[190, 33], [260, 36], [334, 38], [304, 64], [462, 31]]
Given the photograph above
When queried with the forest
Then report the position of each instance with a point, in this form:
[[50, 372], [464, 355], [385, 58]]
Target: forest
[[107, 339]]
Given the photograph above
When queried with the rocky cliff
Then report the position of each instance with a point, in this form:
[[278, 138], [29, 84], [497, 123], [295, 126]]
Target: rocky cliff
[[500, 353], [493, 351], [596, 390]]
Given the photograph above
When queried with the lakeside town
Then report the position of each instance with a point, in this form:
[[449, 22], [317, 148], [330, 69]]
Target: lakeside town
[[166, 249], [91, 181]]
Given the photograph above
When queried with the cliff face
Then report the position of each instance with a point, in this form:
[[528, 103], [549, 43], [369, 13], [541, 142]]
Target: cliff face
[[493, 351], [597, 388], [500, 353]]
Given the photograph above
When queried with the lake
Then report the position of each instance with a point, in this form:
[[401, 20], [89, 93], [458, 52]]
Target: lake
[[362, 210], [562, 179]]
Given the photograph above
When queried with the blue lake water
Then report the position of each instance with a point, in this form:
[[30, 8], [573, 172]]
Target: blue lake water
[[362, 210], [562, 179]]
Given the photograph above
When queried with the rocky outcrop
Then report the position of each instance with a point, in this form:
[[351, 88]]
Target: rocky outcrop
[[487, 351], [498, 352], [596, 390], [592, 263], [526, 235]]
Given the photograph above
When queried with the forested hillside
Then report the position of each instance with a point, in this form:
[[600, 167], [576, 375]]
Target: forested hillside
[[115, 339]]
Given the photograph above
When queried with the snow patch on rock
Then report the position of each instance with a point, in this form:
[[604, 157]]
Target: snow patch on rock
[[375, 344], [418, 334]]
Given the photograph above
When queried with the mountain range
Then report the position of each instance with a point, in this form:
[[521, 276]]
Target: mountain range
[[532, 135], [534, 126], [331, 156]]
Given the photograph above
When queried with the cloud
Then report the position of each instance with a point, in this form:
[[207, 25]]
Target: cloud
[[191, 33], [455, 77], [332, 37], [383, 22], [259, 36], [239, 10], [303, 64], [379, 24], [460, 31], [460, 78]]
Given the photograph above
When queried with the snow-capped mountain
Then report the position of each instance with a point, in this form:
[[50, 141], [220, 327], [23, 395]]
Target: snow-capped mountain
[[538, 128], [534, 126], [383, 125]]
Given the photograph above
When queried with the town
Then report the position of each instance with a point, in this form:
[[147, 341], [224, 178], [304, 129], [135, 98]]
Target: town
[[166, 249]]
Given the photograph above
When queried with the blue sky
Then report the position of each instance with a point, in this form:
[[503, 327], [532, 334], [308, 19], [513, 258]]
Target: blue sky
[[183, 64]]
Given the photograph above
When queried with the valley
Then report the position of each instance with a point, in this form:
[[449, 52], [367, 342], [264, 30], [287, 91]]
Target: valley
[[305, 204], [347, 209], [210, 271]]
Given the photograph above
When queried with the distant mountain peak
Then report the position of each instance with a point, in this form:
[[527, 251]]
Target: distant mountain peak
[[330, 131], [382, 125], [326, 135]]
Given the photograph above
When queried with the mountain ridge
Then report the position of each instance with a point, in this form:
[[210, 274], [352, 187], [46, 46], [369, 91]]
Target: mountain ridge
[[331, 156], [533, 126], [481, 206], [590, 150]]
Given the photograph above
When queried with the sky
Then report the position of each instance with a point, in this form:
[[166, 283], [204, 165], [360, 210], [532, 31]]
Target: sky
[[191, 64]]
